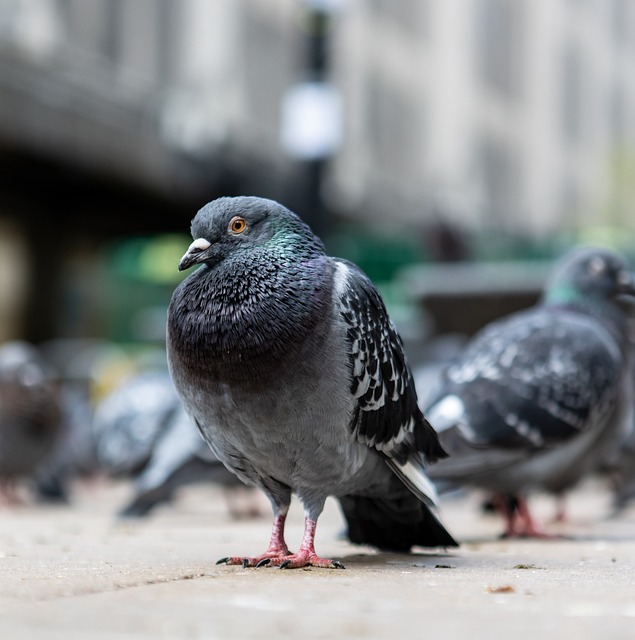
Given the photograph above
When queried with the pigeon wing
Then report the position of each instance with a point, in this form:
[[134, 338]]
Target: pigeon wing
[[537, 380], [386, 415]]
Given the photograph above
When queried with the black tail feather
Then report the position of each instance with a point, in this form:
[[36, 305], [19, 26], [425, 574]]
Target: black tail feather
[[393, 525]]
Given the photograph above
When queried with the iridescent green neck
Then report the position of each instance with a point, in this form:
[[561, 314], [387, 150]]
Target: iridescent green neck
[[565, 294], [562, 293], [293, 233]]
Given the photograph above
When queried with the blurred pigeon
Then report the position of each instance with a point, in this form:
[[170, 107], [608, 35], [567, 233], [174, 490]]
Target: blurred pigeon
[[620, 470], [540, 397], [623, 481], [142, 431], [438, 354], [289, 365], [30, 415]]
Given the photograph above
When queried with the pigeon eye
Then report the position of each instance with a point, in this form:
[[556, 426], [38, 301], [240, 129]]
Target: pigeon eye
[[237, 225], [597, 266]]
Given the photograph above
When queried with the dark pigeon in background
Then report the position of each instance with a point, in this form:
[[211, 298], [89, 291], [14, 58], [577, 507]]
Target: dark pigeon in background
[[622, 476], [619, 468], [541, 397], [76, 363], [288, 363], [30, 414], [141, 431]]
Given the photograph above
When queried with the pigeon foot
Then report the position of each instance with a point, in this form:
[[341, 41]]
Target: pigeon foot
[[284, 560], [262, 560], [306, 558], [278, 555], [522, 525]]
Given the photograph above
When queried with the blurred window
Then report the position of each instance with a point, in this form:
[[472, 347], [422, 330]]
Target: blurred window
[[572, 93], [409, 15], [499, 40], [618, 116], [501, 181], [394, 128], [92, 25], [268, 63], [570, 203], [112, 20], [135, 37], [622, 19]]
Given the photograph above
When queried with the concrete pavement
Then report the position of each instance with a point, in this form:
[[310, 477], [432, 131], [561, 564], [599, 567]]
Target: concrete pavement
[[71, 572]]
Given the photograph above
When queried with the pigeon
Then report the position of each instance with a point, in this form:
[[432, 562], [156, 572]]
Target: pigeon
[[142, 431], [619, 469], [30, 414], [540, 397], [128, 421], [622, 477], [286, 360]]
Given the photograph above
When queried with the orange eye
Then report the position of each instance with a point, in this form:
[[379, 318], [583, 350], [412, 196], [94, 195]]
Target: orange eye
[[237, 224]]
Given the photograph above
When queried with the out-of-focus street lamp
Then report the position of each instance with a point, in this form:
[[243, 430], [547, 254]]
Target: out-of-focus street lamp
[[311, 119]]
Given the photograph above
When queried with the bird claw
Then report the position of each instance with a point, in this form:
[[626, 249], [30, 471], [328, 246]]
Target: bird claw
[[233, 560], [256, 562], [295, 561], [300, 560]]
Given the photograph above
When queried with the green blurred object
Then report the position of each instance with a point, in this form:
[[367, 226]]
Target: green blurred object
[[381, 257], [152, 259], [139, 275]]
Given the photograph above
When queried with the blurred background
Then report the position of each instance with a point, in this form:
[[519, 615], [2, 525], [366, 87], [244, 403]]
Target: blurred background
[[451, 148], [410, 134]]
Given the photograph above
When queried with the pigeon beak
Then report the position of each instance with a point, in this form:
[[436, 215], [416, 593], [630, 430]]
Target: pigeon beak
[[195, 253], [625, 284]]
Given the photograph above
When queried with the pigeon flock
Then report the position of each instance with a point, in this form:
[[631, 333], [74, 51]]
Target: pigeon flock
[[540, 399], [285, 376]]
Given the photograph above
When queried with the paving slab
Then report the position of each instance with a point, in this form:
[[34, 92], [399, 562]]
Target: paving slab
[[72, 572]]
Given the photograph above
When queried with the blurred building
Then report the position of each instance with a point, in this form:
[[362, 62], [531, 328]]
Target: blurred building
[[122, 118], [513, 116], [168, 95]]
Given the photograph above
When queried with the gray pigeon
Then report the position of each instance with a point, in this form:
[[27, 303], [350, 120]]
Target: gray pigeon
[[623, 479], [30, 414], [620, 471], [288, 363], [540, 397], [141, 431]]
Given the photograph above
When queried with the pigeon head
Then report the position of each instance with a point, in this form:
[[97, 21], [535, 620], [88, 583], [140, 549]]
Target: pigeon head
[[229, 226], [590, 273], [21, 363], [264, 282]]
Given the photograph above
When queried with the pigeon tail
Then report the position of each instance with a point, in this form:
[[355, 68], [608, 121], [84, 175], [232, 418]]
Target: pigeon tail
[[393, 525], [414, 478]]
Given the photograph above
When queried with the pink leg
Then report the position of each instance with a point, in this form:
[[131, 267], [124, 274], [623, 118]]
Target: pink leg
[[508, 511], [9, 495], [524, 525], [277, 547], [306, 555], [278, 555], [529, 527], [561, 509]]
